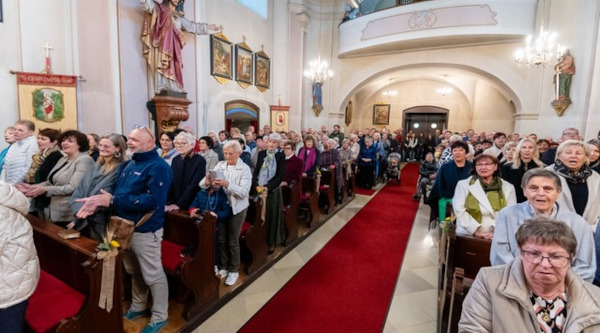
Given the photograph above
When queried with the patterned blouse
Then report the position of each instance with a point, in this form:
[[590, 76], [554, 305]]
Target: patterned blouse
[[551, 315]]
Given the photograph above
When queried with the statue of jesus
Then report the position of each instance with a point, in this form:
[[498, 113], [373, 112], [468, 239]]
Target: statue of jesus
[[163, 39]]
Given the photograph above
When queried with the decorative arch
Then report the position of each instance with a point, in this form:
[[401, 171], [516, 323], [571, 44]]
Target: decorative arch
[[508, 79], [241, 114]]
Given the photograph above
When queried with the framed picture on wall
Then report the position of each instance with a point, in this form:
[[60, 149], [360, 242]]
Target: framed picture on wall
[[221, 55], [262, 71], [1, 15], [244, 62], [381, 114]]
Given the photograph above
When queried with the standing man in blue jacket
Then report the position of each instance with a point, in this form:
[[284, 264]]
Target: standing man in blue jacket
[[142, 187]]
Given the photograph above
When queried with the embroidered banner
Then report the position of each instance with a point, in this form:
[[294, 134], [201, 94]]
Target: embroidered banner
[[49, 100]]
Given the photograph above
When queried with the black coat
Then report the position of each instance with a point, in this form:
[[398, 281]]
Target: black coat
[[187, 173], [274, 182]]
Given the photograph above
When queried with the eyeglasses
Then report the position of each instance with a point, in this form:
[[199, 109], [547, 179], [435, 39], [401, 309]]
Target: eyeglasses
[[142, 127], [554, 260], [180, 144]]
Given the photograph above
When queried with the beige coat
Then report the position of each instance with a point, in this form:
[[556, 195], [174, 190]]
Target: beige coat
[[499, 302], [61, 184]]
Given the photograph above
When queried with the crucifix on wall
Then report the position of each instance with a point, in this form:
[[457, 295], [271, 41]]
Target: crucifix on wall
[[48, 48]]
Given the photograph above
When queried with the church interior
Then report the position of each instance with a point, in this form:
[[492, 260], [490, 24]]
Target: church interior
[[385, 64]]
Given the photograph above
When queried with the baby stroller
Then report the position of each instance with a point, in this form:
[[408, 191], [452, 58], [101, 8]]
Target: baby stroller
[[393, 167]]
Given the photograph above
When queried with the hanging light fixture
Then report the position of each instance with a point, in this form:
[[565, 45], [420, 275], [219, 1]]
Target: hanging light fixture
[[389, 93], [539, 51], [318, 71], [446, 89]]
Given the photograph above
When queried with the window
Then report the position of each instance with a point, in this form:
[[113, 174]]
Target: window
[[258, 6]]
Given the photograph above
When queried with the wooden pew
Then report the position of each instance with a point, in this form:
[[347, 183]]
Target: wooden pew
[[254, 236], [467, 253], [291, 202], [309, 200], [327, 190], [459, 292], [195, 272], [70, 281]]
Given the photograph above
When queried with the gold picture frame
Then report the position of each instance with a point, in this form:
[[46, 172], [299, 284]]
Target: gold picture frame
[[381, 114]]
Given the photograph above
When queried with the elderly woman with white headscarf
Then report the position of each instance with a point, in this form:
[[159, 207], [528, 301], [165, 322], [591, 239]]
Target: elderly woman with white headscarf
[[268, 175]]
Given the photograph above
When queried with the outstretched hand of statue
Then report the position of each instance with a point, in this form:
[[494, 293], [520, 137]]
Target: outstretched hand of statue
[[214, 27]]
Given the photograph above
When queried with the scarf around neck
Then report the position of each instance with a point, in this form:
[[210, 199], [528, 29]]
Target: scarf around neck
[[573, 177], [268, 168], [308, 156], [493, 192]]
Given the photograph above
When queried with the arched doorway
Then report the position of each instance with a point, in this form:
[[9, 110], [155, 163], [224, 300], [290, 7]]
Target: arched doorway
[[425, 119], [241, 114]]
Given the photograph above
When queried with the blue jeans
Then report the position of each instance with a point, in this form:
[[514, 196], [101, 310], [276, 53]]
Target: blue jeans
[[12, 318]]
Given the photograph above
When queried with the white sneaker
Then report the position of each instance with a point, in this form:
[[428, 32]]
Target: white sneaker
[[223, 273], [231, 278]]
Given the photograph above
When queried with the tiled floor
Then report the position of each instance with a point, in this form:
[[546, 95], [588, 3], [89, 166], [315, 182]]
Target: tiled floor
[[413, 307]]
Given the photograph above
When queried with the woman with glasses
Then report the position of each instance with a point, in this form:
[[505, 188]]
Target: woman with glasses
[[206, 145], [167, 149], [480, 197], [525, 157], [293, 165], [188, 169], [538, 291]]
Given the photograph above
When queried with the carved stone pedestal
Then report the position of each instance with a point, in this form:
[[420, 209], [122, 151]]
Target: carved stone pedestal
[[560, 105], [168, 109]]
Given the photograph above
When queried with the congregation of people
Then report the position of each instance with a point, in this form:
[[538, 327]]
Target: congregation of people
[[536, 202], [492, 181]]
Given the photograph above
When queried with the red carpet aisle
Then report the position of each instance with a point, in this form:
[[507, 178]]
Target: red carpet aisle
[[348, 285]]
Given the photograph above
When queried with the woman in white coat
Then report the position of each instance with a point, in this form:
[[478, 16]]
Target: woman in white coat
[[478, 198], [20, 267], [236, 182]]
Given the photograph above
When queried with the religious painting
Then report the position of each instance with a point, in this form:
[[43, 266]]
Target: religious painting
[[49, 100], [348, 118], [221, 54], [280, 118], [244, 65], [262, 71], [48, 105], [381, 114]]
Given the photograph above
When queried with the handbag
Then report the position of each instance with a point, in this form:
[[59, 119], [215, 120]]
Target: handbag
[[122, 229]]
